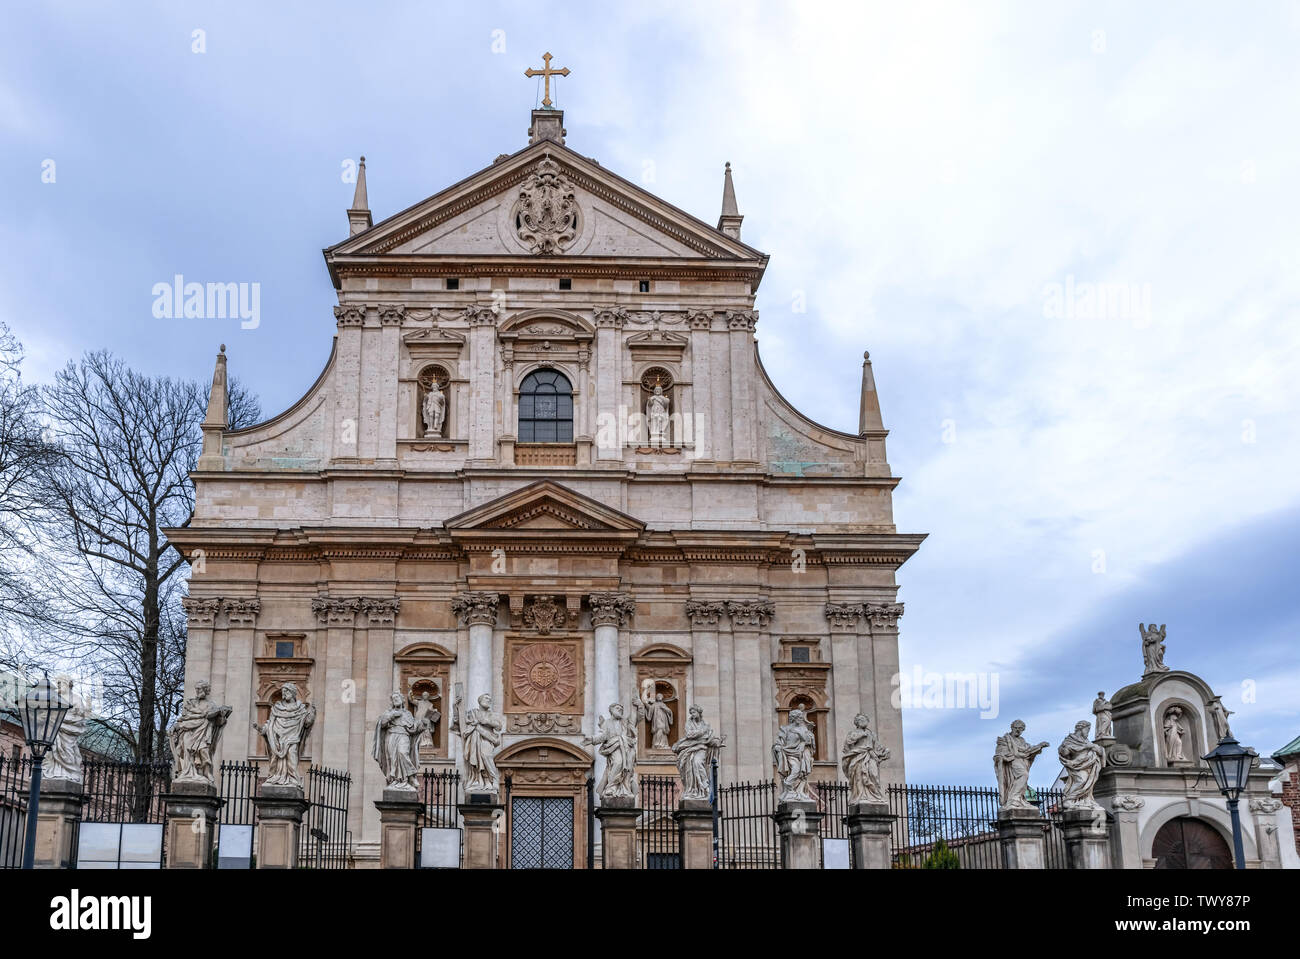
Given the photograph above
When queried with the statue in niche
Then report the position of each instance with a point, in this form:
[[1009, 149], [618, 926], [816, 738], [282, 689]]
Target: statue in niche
[[1219, 717], [480, 735], [696, 749], [793, 753], [1175, 731], [195, 736], [396, 746], [1082, 761], [284, 732], [434, 409], [660, 714], [1153, 648], [615, 739], [1101, 707], [1011, 762], [656, 416], [426, 712], [863, 756]]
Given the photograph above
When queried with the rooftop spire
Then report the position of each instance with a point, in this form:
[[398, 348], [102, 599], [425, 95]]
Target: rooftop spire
[[729, 222], [214, 424], [869, 418], [359, 212]]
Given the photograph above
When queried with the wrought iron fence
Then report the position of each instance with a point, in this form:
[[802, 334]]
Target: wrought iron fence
[[962, 816], [656, 829], [124, 791], [238, 788], [326, 842], [439, 796], [15, 778], [747, 836]]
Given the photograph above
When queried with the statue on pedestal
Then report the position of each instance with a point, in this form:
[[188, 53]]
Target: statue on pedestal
[[1219, 717], [1153, 648], [480, 736], [63, 760], [195, 736], [284, 732], [656, 415], [1011, 761], [793, 754], [434, 410], [660, 714], [1101, 708], [696, 749], [1082, 761], [862, 756], [396, 747], [616, 741]]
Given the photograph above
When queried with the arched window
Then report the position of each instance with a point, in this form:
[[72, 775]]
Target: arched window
[[545, 408]]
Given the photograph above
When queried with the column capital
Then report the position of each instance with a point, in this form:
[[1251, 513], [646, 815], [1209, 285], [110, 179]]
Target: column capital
[[349, 316], [699, 319], [381, 611], [476, 608], [201, 612], [392, 314], [704, 613], [883, 615], [480, 315], [609, 318], [844, 615], [610, 609], [242, 612], [752, 613], [336, 612], [742, 320]]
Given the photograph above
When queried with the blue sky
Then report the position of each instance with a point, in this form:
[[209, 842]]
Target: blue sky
[[1065, 232]]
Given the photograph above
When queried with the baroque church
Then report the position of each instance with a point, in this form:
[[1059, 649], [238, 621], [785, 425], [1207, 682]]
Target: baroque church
[[544, 462]]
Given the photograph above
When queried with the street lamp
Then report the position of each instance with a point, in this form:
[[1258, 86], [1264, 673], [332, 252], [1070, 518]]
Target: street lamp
[[42, 714], [1231, 762]]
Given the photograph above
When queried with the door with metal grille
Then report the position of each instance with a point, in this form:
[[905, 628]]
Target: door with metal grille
[[541, 832]]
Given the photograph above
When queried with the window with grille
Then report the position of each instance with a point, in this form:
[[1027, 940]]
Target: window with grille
[[545, 408]]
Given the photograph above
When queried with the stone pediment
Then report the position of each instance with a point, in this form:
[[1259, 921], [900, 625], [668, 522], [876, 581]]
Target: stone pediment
[[544, 201], [545, 507], [435, 335]]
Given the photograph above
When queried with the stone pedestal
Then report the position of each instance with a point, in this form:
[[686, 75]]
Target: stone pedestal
[[399, 817], [192, 810], [618, 833], [1087, 839], [279, 821], [1020, 838], [483, 817], [798, 824], [870, 825], [694, 818], [57, 816]]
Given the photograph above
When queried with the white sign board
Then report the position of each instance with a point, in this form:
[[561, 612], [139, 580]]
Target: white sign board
[[439, 848], [835, 854]]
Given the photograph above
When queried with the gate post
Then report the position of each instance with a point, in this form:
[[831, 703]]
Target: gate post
[[799, 825], [481, 815], [279, 821], [618, 832], [870, 825], [399, 816], [1020, 838], [1087, 840], [191, 812], [694, 819], [57, 817]]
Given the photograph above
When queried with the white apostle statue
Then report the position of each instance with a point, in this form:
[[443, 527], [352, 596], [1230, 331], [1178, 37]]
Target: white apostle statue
[[480, 735], [396, 747], [425, 709], [1082, 761], [661, 719], [863, 755], [1174, 732], [435, 410], [63, 761], [195, 736], [285, 731], [656, 415], [696, 749], [616, 741], [793, 754], [1011, 761], [1101, 708]]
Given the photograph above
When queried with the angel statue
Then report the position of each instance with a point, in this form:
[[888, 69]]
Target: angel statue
[[1153, 648], [397, 744], [616, 741], [285, 731]]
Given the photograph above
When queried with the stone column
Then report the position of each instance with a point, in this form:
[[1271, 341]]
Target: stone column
[[749, 622], [882, 618], [1021, 838], [1125, 837], [339, 617], [870, 825], [483, 822], [391, 317], [399, 817], [478, 611], [241, 618], [375, 657], [694, 818], [1264, 811], [798, 824], [482, 375], [1087, 840], [191, 814], [720, 397], [744, 419], [609, 611], [200, 618], [703, 617], [618, 832], [280, 810], [347, 382], [58, 813], [609, 326], [849, 684], [699, 410]]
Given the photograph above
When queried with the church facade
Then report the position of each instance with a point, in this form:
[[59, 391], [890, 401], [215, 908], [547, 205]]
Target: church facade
[[544, 462]]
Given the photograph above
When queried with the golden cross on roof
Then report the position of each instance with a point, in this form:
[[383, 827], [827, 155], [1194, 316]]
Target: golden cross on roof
[[546, 72]]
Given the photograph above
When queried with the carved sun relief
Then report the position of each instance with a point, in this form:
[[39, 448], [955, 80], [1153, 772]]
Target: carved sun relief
[[544, 676], [546, 214]]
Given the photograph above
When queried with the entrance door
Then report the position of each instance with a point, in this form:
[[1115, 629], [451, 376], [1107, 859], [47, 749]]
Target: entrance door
[[541, 832], [1187, 843]]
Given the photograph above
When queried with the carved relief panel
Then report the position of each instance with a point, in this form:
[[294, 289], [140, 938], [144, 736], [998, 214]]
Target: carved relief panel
[[544, 680]]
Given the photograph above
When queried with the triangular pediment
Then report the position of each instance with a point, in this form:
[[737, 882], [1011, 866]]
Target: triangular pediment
[[545, 506], [487, 214]]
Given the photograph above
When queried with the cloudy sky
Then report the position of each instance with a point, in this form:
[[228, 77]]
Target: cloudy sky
[[1066, 233]]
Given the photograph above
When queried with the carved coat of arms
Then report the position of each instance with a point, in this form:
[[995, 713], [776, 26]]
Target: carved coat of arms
[[546, 214]]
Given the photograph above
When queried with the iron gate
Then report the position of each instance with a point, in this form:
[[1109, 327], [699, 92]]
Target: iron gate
[[541, 832]]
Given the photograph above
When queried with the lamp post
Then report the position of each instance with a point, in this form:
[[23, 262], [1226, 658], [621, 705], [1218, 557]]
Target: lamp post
[[42, 714], [1231, 762]]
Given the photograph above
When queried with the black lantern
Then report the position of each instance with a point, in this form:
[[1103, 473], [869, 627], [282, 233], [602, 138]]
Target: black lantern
[[42, 713], [1231, 763]]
